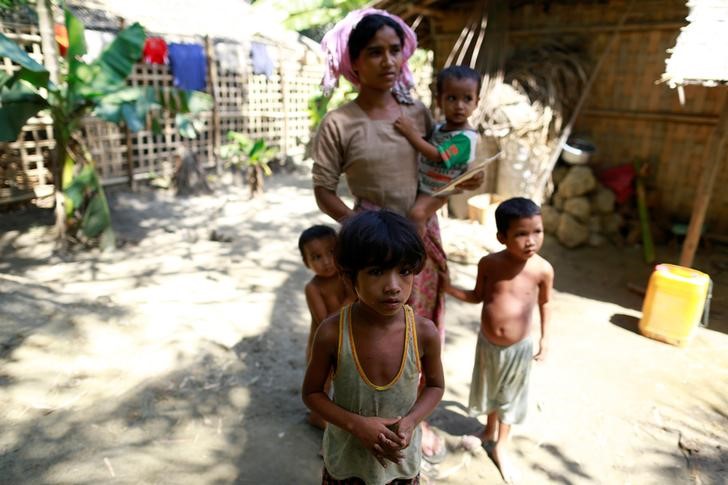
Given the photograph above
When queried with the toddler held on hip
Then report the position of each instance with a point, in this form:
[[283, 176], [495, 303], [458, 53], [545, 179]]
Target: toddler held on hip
[[451, 146]]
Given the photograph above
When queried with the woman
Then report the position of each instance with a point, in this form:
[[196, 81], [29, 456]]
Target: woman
[[370, 48]]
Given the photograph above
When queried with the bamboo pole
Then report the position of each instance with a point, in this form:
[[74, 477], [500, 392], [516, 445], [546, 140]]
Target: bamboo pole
[[716, 157], [660, 117], [212, 70], [129, 157], [284, 103]]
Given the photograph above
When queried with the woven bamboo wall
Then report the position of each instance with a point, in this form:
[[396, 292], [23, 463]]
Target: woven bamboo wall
[[627, 114], [25, 163], [274, 108]]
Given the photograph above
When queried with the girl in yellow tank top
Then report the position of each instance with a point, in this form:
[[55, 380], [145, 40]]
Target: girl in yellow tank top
[[376, 349]]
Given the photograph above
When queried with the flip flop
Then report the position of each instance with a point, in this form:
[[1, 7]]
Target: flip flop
[[470, 443], [438, 457]]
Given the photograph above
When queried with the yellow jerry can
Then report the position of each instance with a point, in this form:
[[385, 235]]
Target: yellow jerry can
[[673, 303]]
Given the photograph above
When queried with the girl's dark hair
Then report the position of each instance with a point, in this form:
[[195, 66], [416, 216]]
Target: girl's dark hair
[[382, 239], [512, 210], [458, 72], [313, 233], [366, 29]]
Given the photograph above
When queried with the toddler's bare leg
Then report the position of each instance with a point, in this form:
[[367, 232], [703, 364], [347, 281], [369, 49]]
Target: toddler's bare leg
[[424, 207]]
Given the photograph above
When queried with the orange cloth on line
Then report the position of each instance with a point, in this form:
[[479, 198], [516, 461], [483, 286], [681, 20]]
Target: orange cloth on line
[[61, 35]]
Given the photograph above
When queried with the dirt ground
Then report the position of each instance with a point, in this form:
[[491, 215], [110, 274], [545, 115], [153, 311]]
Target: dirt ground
[[178, 358]]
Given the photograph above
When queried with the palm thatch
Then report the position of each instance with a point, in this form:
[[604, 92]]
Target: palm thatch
[[700, 55]]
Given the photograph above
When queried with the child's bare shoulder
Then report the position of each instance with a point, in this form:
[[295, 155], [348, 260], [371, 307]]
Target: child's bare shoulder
[[425, 327], [427, 333], [328, 330], [316, 284], [488, 259], [541, 265]]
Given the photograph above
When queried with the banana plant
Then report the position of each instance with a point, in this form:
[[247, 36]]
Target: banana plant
[[98, 88], [252, 155]]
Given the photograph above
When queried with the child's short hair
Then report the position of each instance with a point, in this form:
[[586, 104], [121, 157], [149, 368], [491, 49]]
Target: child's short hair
[[318, 231], [513, 209], [378, 238], [458, 72]]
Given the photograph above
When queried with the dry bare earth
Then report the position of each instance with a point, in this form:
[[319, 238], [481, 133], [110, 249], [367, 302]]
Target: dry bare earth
[[178, 359]]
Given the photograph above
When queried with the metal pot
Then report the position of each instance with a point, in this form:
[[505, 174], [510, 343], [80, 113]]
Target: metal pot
[[577, 151]]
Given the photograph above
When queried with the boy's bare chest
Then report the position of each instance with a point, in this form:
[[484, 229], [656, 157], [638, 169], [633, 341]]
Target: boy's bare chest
[[524, 285]]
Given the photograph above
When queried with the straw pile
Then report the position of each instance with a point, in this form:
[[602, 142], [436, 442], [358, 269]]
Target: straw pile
[[527, 111]]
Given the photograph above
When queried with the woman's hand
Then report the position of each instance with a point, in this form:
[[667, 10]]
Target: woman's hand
[[472, 183]]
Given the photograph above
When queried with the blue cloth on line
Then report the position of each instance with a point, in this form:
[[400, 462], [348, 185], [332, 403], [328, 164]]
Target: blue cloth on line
[[262, 62], [189, 66]]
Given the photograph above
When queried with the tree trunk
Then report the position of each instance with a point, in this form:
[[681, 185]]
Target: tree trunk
[[255, 180], [58, 156]]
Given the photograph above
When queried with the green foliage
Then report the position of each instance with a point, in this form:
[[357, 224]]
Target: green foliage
[[312, 17], [8, 5], [245, 152], [319, 105]]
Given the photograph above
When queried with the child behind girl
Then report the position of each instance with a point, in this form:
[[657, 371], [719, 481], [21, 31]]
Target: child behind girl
[[451, 146], [326, 292], [376, 349]]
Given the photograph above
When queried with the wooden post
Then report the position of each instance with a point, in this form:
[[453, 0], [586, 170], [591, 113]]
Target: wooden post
[[212, 70], [129, 157], [716, 156], [284, 104]]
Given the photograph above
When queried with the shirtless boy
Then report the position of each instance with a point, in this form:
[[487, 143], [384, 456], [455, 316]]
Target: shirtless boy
[[326, 292], [510, 284]]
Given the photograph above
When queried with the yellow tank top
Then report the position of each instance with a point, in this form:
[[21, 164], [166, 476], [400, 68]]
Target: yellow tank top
[[344, 455]]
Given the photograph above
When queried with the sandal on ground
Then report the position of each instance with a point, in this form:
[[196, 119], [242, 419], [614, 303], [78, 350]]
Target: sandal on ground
[[438, 457], [471, 443]]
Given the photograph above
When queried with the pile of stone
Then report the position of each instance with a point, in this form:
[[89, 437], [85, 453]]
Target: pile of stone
[[581, 210]]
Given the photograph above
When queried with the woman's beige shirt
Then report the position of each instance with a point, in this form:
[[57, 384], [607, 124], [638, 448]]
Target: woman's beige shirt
[[379, 163]]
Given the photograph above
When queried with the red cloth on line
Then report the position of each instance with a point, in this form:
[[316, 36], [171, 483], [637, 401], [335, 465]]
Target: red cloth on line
[[155, 51]]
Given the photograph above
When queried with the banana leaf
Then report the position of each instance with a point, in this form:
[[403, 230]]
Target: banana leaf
[[96, 217], [108, 73], [17, 105], [15, 53]]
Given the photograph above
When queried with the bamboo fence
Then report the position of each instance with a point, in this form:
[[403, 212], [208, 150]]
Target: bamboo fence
[[274, 108]]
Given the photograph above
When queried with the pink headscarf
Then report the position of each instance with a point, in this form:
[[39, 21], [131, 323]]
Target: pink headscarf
[[334, 45]]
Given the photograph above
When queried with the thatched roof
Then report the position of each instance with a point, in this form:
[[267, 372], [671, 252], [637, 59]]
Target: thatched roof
[[700, 55]]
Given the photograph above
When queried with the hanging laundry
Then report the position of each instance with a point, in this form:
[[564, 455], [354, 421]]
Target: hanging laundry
[[230, 56], [189, 66], [96, 42], [262, 62], [155, 51]]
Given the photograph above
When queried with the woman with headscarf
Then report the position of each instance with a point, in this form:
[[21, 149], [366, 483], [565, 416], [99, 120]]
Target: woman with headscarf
[[370, 48]]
